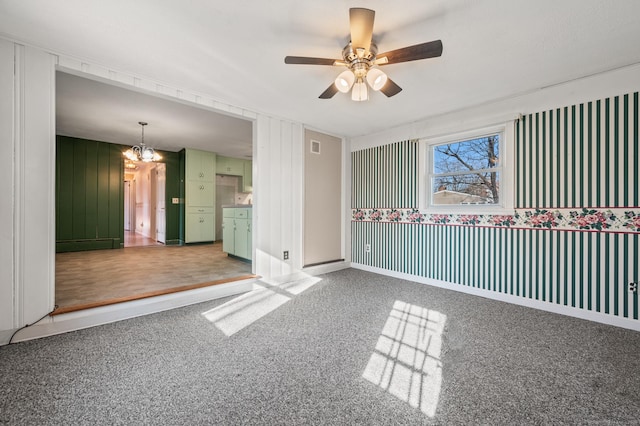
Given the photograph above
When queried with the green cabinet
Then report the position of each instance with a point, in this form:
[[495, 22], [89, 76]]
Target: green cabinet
[[200, 193], [236, 231], [228, 230], [247, 177], [236, 167], [229, 166], [199, 225], [200, 165]]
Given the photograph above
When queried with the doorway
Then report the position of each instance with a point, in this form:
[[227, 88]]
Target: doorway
[[144, 204], [147, 205]]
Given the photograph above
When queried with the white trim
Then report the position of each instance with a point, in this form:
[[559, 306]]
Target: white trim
[[326, 268], [529, 303], [18, 182], [506, 170], [106, 314]]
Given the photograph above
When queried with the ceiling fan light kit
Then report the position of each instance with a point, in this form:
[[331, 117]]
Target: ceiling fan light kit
[[345, 81], [361, 58], [359, 92]]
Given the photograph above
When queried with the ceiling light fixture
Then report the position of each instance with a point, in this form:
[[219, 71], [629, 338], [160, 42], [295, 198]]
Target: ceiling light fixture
[[142, 152], [360, 73]]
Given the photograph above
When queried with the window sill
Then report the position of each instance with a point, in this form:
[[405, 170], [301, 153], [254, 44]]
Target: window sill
[[469, 210]]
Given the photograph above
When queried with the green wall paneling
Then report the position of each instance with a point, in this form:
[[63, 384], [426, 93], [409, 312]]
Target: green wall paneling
[[182, 163], [89, 194]]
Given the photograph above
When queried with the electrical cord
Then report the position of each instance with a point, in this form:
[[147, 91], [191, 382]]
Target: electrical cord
[[33, 323]]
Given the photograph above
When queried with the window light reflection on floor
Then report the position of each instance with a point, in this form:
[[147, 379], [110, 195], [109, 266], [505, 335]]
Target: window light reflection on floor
[[406, 361], [247, 308]]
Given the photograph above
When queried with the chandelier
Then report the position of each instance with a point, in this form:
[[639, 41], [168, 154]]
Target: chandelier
[[142, 152]]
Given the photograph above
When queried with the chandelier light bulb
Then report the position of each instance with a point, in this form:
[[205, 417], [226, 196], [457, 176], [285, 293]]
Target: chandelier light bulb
[[142, 152]]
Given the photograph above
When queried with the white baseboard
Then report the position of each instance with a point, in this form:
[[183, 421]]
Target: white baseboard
[[627, 323], [326, 268], [105, 314]]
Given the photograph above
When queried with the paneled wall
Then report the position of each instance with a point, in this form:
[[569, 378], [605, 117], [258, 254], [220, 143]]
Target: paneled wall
[[89, 195], [572, 241]]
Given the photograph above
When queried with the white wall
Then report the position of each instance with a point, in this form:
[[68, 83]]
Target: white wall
[[143, 200], [27, 128], [6, 186], [29, 144]]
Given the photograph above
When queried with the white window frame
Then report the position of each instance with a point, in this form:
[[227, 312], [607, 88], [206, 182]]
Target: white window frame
[[506, 170]]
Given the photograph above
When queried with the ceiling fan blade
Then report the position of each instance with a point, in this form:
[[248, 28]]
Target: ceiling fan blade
[[430, 49], [303, 60], [361, 22], [390, 88], [328, 94]]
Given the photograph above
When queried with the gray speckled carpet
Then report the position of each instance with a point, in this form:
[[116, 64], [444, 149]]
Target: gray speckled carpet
[[351, 348]]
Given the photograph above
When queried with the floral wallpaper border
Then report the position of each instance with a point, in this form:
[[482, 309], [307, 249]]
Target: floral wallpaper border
[[625, 220]]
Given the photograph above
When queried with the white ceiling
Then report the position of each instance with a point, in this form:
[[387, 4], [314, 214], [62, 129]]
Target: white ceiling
[[233, 51], [93, 110]]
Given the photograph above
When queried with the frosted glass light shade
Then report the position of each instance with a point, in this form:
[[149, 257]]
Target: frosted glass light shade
[[345, 80], [146, 154], [359, 92], [376, 79]]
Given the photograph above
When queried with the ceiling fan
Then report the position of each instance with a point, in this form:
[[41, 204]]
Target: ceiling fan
[[361, 59]]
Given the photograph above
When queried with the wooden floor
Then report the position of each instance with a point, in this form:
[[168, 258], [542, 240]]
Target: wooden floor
[[101, 277], [132, 239]]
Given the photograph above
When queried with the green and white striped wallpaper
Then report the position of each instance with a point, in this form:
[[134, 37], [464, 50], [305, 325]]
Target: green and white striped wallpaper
[[385, 176], [574, 237], [584, 155]]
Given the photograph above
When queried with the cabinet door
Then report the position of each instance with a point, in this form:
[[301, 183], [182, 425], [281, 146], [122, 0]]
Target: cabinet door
[[199, 227], [228, 235], [242, 248], [249, 241], [229, 166], [247, 178], [200, 165], [200, 194]]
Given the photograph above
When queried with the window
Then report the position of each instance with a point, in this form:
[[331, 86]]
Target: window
[[467, 172]]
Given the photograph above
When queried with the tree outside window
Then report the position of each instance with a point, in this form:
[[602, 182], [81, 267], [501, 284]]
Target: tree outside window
[[466, 172]]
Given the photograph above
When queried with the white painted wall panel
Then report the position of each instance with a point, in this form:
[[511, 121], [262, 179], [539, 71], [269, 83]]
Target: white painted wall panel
[[6, 184], [35, 168]]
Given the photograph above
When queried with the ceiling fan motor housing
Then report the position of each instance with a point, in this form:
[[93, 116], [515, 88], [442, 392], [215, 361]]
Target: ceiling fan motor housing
[[359, 60]]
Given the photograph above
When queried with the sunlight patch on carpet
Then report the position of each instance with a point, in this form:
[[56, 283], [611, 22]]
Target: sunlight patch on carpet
[[406, 360], [248, 308]]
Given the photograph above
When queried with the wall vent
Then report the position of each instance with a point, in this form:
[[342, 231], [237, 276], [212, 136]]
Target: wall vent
[[315, 147]]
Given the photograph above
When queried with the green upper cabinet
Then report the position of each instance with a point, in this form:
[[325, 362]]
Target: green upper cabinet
[[247, 178], [236, 167], [230, 166], [201, 165]]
